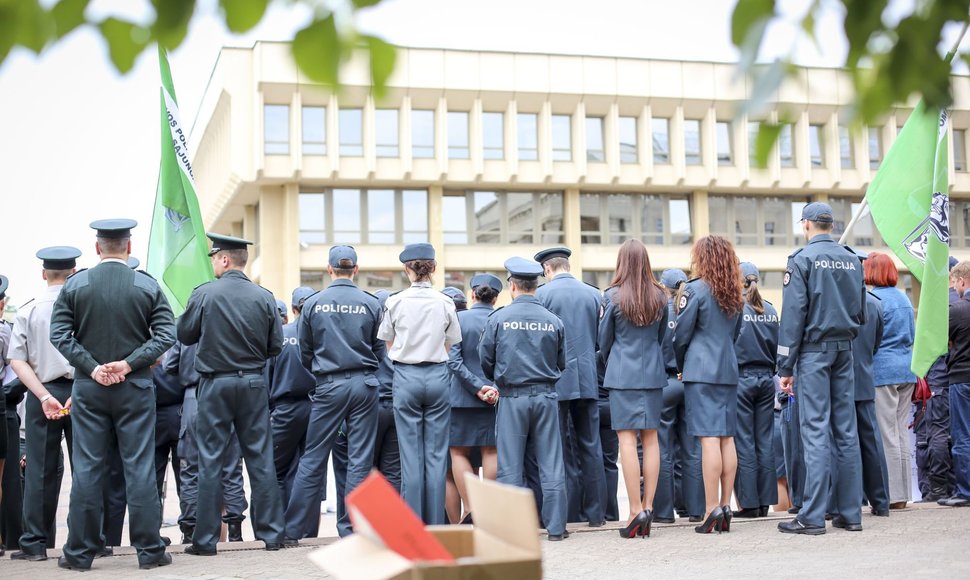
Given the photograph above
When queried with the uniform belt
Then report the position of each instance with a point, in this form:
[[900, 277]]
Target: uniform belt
[[329, 377], [527, 390], [420, 364], [756, 368], [222, 375], [827, 346], [61, 381]]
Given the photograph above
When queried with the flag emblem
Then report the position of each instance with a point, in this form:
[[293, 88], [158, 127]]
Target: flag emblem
[[938, 221]]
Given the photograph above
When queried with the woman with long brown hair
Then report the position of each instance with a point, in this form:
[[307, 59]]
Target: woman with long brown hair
[[708, 323], [631, 334]]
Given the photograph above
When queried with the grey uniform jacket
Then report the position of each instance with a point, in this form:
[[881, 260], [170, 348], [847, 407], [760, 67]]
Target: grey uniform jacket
[[180, 360], [704, 338], [463, 359], [338, 330], [757, 344], [864, 346], [578, 306], [670, 357], [633, 354], [286, 376], [522, 344]]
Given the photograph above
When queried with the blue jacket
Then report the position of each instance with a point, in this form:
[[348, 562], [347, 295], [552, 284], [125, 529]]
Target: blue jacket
[[895, 354], [466, 366], [704, 337], [578, 306], [523, 344], [670, 357], [633, 354], [757, 344], [286, 376], [864, 347], [338, 330], [180, 360]]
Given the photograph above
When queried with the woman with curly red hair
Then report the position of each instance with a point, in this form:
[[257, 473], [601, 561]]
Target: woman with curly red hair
[[708, 323]]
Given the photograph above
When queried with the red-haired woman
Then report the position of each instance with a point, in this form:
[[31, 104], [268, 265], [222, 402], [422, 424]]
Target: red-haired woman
[[708, 323], [893, 379]]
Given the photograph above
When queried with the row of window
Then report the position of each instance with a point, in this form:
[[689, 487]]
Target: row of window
[[350, 137]]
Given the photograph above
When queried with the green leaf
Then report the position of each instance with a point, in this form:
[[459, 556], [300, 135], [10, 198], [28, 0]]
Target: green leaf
[[24, 23], [383, 57], [319, 50], [172, 21], [767, 136], [358, 4], [125, 42], [747, 14], [243, 15], [68, 15]]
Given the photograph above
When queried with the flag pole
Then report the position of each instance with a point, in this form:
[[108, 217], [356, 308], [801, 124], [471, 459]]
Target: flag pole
[[865, 201]]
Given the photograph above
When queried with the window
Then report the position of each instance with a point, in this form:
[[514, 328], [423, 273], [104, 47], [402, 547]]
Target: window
[[363, 216], [846, 150], [458, 135], [351, 132], [724, 156], [314, 130], [628, 139], [757, 221], [496, 217], [660, 127], [960, 150], [614, 218], [864, 232], [562, 142], [276, 129], [786, 146], [528, 136], [422, 134], [595, 151], [493, 136], [875, 147], [692, 141], [371, 281], [960, 223], [753, 128], [386, 130], [816, 144]]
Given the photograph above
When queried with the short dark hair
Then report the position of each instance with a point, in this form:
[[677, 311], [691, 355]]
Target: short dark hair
[[113, 245], [343, 271], [558, 263], [238, 258], [56, 275], [823, 226], [526, 284]]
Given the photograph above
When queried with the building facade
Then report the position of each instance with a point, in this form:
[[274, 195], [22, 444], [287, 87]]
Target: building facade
[[488, 155]]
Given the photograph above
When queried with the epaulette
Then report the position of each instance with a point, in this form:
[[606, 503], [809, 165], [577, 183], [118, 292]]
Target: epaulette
[[541, 285], [593, 286], [393, 293], [869, 292], [145, 273], [76, 272], [492, 313], [25, 303], [795, 253], [203, 284], [694, 279], [767, 301], [362, 290]]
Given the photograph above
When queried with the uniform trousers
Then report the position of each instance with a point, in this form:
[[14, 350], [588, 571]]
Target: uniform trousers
[[825, 390], [960, 432], [233, 493], [893, 403], [12, 504], [289, 417], [587, 498], [875, 479], [167, 426], [41, 480], [610, 444], [422, 412], [226, 401], [933, 459], [529, 417], [115, 498], [755, 483], [128, 408], [791, 442], [387, 460], [676, 443], [342, 399]]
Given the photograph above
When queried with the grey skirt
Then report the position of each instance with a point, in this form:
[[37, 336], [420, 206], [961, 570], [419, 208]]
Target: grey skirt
[[636, 409], [472, 427], [712, 410]]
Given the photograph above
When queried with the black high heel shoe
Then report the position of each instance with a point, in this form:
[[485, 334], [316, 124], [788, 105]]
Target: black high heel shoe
[[645, 529], [633, 530], [713, 523], [726, 520]]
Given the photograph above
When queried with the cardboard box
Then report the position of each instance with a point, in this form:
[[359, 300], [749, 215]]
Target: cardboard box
[[502, 545]]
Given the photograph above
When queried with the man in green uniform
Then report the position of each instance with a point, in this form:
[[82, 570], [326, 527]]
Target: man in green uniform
[[237, 327], [112, 323]]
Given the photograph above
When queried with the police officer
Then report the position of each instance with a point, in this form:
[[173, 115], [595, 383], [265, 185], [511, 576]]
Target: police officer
[[610, 444], [112, 323], [237, 327], [48, 376], [457, 296], [756, 347], [677, 446], [169, 395], [523, 354], [339, 345], [578, 305], [11, 498], [824, 306], [290, 385], [4, 446]]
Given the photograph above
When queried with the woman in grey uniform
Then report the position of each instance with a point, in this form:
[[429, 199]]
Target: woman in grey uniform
[[756, 348], [420, 325], [631, 334], [708, 322]]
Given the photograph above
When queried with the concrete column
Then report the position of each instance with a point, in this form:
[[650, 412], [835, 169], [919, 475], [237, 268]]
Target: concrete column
[[279, 269], [436, 236], [572, 237], [700, 219]]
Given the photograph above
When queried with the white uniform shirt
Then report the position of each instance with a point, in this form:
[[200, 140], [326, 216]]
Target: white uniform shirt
[[30, 340], [421, 323]]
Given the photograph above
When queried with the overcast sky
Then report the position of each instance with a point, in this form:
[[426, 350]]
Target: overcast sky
[[80, 142]]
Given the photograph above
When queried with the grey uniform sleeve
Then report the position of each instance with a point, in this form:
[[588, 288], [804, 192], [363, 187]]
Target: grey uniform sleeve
[[5, 339], [190, 323], [686, 320], [170, 362], [62, 335], [379, 347], [304, 332], [162, 324], [466, 378], [486, 350], [793, 314], [274, 344], [606, 329], [561, 355], [662, 331]]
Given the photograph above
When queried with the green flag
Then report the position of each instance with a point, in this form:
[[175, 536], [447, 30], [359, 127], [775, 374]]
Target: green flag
[[177, 249], [910, 204]]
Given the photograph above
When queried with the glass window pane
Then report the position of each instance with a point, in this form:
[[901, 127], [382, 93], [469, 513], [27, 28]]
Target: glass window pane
[[316, 279], [661, 139], [680, 230], [777, 220], [276, 129], [351, 132], [458, 135], [521, 216], [346, 216], [488, 217], [745, 220], [796, 218], [959, 150], [391, 281], [386, 132], [717, 207], [786, 146], [652, 219], [724, 156], [589, 218], [454, 219], [846, 151], [875, 147], [595, 150], [562, 146], [422, 134], [380, 216], [550, 218], [528, 137], [314, 130], [493, 136], [816, 144], [414, 210], [628, 139], [619, 207], [692, 141], [313, 218]]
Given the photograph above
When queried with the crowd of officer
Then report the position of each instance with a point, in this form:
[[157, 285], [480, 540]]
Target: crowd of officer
[[426, 390]]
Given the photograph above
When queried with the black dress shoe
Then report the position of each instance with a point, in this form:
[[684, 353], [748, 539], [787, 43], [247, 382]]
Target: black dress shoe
[[559, 537], [598, 524], [660, 520], [21, 555], [955, 501], [797, 527], [290, 542], [167, 540], [63, 562], [695, 519], [274, 546], [839, 522], [748, 513], [467, 520], [165, 560], [197, 551], [763, 511], [235, 532], [187, 533], [878, 512], [105, 552], [793, 510]]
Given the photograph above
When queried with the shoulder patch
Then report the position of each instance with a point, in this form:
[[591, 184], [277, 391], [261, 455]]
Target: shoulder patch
[[682, 302], [787, 277]]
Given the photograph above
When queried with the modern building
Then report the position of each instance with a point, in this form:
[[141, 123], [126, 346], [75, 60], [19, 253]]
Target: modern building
[[489, 154]]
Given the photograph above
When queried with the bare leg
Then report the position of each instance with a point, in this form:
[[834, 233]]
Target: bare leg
[[729, 468], [460, 465], [490, 462], [711, 468], [631, 469], [783, 503], [651, 466], [452, 500]]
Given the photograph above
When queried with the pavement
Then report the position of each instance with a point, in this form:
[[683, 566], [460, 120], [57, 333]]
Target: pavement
[[922, 541]]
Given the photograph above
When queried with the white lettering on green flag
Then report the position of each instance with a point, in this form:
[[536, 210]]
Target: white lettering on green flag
[[909, 201], [177, 248]]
